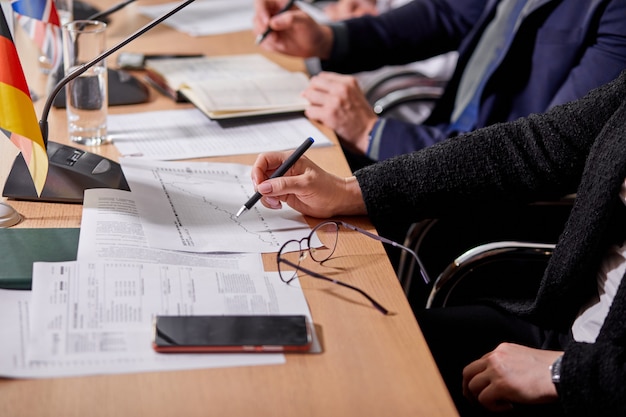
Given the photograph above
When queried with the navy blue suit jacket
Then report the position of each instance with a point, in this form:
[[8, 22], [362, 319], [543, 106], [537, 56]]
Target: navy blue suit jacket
[[562, 50]]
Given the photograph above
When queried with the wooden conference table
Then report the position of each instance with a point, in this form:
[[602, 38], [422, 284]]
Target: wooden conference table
[[372, 365]]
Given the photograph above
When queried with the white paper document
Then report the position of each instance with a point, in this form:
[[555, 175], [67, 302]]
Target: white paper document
[[191, 206], [96, 317], [111, 230], [206, 17], [187, 133]]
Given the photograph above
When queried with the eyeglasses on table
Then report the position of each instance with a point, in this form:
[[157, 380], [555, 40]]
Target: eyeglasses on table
[[294, 251]]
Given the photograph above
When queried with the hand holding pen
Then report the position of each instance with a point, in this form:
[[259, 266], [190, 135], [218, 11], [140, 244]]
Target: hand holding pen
[[282, 170], [293, 31], [267, 31], [306, 187]]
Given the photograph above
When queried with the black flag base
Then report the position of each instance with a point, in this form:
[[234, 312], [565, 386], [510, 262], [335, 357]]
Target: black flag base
[[71, 172]]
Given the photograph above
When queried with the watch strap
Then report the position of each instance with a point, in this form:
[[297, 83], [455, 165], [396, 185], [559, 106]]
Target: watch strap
[[555, 371]]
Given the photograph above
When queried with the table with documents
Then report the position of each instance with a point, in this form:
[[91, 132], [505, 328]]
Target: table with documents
[[370, 364]]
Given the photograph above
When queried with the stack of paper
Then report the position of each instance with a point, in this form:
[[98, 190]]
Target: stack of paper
[[206, 17], [94, 315]]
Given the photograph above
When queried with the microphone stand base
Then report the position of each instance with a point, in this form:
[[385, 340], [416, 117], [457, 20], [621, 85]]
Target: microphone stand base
[[71, 172]]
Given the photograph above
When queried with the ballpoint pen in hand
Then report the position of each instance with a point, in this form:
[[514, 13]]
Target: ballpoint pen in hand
[[279, 172], [263, 35]]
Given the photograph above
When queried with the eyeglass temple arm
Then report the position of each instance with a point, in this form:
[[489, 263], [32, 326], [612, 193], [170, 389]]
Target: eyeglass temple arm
[[423, 272], [375, 303]]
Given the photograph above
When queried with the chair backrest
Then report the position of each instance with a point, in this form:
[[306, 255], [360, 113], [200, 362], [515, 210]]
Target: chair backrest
[[521, 236], [506, 269]]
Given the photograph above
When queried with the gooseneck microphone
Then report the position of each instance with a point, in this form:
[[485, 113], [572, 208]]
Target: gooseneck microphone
[[43, 122], [71, 170]]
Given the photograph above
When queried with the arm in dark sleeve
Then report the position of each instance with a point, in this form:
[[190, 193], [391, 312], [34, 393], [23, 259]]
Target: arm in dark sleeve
[[396, 137], [603, 57], [599, 58], [418, 30], [538, 157]]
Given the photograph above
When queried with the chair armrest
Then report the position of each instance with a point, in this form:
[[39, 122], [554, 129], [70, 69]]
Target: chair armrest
[[394, 86], [391, 76], [408, 94], [480, 256]]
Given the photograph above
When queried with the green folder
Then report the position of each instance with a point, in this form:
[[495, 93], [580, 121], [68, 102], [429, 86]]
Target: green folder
[[19, 248]]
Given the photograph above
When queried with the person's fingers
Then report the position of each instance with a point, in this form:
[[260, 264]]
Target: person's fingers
[[282, 21], [282, 186], [265, 165], [272, 203], [315, 96], [326, 80]]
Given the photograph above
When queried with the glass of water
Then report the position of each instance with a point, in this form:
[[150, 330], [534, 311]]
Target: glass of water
[[86, 95], [65, 9]]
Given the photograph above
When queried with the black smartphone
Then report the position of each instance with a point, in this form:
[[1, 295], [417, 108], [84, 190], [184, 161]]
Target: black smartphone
[[239, 333]]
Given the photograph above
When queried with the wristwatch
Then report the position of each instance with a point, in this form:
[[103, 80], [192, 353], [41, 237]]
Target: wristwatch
[[555, 371]]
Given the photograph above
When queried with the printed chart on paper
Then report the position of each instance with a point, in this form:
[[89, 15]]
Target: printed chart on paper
[[191, 206]]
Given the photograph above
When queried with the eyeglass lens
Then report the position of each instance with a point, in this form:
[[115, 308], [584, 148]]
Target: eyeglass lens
[[291, 253], [296, 251], [328, 234]]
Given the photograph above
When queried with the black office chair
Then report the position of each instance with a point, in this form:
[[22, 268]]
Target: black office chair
[[403, 94], [501, 251], [507, 269]]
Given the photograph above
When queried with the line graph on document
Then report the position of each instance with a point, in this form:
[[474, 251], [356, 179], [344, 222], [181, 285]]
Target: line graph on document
[[204, 201]]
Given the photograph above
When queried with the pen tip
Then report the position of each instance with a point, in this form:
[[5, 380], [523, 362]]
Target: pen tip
[[241, 210], [258, 39]]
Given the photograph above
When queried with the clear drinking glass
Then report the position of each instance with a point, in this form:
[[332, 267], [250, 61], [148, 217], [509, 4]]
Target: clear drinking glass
[[65, 9], [87, 95]]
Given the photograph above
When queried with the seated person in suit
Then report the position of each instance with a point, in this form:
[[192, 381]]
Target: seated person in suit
[[376, 84], [561, 352], [558, 51]]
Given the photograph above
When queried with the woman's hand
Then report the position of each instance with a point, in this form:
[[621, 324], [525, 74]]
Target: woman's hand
[[306, 188]]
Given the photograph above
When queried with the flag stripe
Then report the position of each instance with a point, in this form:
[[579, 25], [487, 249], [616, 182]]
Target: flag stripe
[[34, 9], [4, 28], [11, 61], [36, 159], [18, 114], [43, 10]]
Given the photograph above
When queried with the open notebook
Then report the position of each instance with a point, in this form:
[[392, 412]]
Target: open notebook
[[230, 86]]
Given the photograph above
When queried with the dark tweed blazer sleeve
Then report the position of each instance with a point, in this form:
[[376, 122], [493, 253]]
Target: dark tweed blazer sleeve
[[531, 158], [578, 147]]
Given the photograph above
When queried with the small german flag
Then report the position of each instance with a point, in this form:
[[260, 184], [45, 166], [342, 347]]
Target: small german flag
[[17, 112]]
